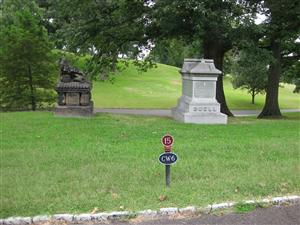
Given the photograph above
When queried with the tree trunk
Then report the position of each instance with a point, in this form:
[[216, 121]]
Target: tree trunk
[[253, 96], [271, 107], [211, 51], [32, 94]]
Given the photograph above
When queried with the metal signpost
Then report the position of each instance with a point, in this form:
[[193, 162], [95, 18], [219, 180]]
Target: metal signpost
[[168, 158]]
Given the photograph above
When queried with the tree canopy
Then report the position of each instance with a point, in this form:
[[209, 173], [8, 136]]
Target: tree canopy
[[173, 51], [106, 29]]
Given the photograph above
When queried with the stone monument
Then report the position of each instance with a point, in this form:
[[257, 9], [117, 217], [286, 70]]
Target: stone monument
[[74, 92], [198, 102]]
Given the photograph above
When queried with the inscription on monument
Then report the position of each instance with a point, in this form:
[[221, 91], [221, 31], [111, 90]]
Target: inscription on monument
[[204, 89], [205, 109]]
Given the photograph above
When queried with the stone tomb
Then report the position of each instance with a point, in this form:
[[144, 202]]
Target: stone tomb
[[198, 102], [74, 93]]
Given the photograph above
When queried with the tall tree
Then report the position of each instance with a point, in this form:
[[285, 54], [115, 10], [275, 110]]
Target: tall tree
[[282, 30], [26, 60], [249, 70], [215, 22]]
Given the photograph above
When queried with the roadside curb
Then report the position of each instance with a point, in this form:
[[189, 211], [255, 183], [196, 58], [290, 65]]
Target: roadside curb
[[119, 215]]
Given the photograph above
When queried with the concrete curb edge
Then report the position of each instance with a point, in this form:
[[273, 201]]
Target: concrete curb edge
[[101, 217]]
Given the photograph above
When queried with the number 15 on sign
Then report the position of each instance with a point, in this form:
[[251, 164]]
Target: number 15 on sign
[[167, 140]]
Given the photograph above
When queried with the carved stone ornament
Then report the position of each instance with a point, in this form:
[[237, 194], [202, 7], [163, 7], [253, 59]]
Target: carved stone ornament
[[73, 91]]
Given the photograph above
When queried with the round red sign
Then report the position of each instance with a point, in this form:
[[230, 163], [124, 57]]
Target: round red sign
[[167, 140]]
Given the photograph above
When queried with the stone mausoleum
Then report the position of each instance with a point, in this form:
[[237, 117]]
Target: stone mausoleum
[[198, 102], [74, 92]]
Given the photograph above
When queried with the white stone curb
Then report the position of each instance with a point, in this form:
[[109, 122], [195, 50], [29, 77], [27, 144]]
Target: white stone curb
[[168, 211], [147, 213], [17, 221], [82, 217], [41, 219], [63, 217], [220, 205], [118, 215], [188, 210], [101, 217]]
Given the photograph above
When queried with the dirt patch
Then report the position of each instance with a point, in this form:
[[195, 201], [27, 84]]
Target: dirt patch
[[175, 82]]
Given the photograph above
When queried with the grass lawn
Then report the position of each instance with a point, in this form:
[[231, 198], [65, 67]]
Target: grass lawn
[[59, 165], [161, 87]]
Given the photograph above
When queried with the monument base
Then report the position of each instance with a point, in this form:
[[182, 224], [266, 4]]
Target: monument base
[[199, 118], [74, 111], [198, 111]]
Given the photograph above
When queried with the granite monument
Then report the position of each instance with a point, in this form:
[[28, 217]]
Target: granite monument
[[198, 102]]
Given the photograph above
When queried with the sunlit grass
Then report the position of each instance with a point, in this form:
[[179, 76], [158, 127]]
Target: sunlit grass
[[57, 165]]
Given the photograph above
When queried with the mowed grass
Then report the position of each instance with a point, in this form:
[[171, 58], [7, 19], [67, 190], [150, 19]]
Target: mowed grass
[[157, 88], [161, 87], [70, 165]]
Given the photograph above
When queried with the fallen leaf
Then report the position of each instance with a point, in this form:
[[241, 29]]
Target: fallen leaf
[[95, 210], [162, 198], [114, 195]]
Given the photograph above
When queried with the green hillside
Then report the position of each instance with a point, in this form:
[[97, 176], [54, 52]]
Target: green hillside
[[160, 88]]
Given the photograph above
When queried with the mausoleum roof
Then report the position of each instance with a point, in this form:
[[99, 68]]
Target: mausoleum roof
[[199, 66], [80, 86]]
